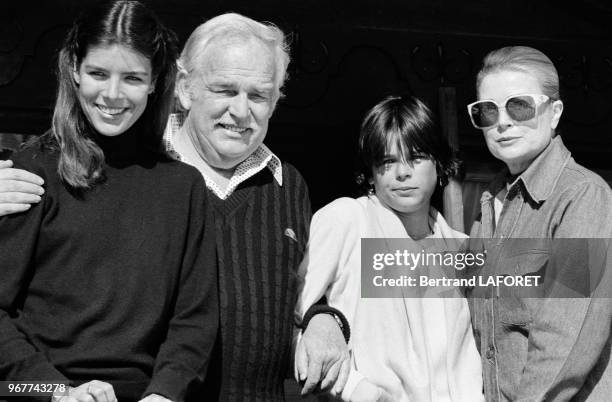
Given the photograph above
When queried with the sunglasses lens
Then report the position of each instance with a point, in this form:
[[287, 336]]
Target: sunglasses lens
[[521, 108], [484, 114]]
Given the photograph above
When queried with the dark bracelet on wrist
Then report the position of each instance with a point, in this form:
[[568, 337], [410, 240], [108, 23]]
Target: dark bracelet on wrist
[[325, 309]]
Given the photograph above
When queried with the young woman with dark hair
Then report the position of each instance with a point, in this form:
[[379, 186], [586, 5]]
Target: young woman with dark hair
[[403, 348], [109, 282], [127, 25]]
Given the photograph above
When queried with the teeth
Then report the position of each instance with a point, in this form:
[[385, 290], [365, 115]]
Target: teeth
[[111, 110], [234, 128]]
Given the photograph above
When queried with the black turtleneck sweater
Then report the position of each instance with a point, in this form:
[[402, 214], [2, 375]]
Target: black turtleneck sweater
[[118, 285]]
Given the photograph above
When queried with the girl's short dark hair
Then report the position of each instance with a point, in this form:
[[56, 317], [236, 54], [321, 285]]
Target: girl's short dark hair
[[408, 123], [118, 22]]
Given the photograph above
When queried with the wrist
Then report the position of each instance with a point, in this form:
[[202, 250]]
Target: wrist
[[335, 313]]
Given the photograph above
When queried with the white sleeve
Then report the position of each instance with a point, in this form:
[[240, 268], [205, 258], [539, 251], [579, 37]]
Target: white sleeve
[[331, 266], [333, 250]]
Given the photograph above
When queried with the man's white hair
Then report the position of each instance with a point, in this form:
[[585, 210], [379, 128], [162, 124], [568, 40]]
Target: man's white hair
[[231, 25]]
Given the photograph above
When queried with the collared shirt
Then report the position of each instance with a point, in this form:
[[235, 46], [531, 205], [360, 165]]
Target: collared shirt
[[261, 158], [540, 348]]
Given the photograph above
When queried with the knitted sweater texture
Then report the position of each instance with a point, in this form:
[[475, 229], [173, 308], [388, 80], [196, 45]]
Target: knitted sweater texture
[[261, 234], [118, 285]]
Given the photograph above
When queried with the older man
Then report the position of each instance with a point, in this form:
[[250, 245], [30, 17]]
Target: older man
[[231, 71]]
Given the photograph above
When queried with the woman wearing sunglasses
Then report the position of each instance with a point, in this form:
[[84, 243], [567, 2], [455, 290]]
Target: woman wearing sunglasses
[[550, 347]]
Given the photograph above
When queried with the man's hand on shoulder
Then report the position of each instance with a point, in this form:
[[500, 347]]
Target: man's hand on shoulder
[[18, 189], [322, 356]]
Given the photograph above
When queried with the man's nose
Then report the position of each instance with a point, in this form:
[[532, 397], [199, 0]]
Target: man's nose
[[239, 106]]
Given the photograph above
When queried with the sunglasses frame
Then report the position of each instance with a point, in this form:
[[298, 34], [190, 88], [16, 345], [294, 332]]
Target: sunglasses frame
[[538, 100]]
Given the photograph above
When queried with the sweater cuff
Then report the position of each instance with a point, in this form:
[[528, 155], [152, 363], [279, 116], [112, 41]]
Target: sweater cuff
[[169, 384], [37, 368]]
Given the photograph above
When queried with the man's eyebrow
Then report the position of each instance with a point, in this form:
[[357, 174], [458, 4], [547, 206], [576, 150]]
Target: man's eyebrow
[[219, 84], [264, 87], [258, 88], [269, 86]]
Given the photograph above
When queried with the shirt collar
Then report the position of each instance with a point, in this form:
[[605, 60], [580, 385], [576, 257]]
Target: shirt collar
[[540, 178], [260, 159]]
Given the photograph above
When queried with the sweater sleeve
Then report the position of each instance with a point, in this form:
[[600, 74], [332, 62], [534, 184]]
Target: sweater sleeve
[[19, 359], [183, 357]]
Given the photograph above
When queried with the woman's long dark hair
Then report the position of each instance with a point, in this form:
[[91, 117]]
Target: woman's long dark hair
[[128, 23]]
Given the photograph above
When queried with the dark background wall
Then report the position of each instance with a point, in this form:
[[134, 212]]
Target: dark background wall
[[346, 56]]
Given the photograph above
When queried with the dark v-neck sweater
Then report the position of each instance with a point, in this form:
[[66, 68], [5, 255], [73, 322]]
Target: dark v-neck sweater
[[118, 285], [261, 235]]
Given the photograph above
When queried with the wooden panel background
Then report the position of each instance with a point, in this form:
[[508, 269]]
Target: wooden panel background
[[348, 55]]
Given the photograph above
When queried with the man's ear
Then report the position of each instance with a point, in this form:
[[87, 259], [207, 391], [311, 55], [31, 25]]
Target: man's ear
[[557, 108], [183, 89]]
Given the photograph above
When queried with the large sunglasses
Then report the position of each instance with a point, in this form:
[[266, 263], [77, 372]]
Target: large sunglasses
[[485, 113]]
